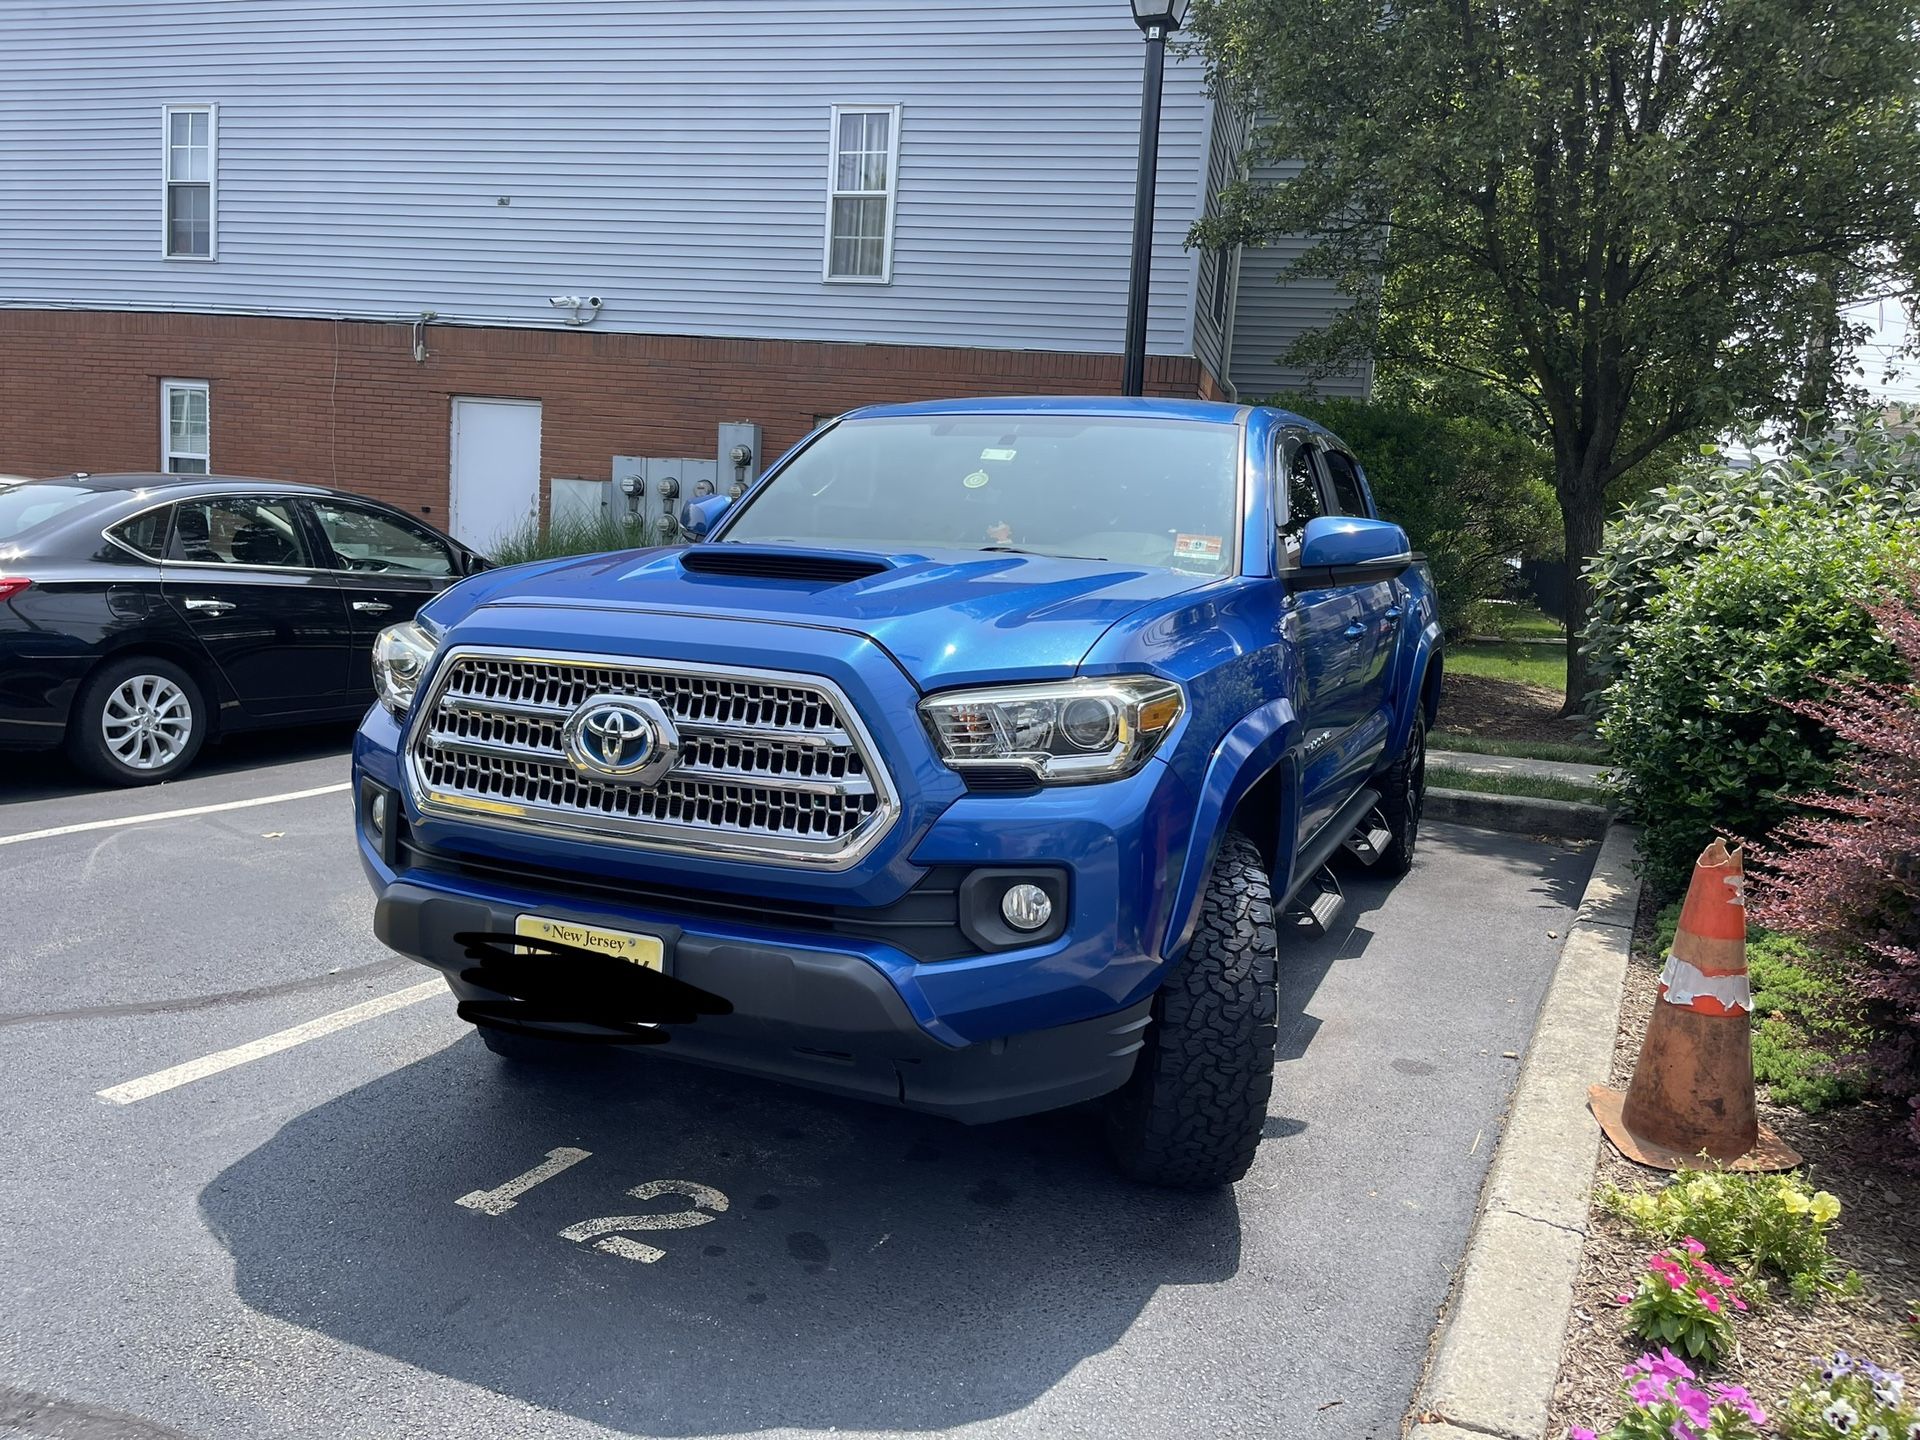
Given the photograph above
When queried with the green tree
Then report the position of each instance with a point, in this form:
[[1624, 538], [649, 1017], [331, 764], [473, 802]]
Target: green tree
[[1638, 219]]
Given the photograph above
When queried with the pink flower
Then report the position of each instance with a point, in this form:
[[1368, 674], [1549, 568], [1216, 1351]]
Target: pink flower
[[1669, 1367], [1712, 1304], [1738, 1303], [1580, 1432], [1693, 1246], [1647, 1391], [1693, 1403], [1623, 1300]]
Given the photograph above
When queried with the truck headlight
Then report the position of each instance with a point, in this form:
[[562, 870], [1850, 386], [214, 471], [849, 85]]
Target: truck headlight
[[1065, 732], [401, 654]]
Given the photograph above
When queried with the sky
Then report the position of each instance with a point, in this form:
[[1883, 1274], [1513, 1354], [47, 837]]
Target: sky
[[1890, 335]]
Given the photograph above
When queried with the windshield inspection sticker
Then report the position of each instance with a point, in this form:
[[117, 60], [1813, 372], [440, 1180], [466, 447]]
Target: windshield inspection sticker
[[992, 454], [976, 480], [1196, 547]]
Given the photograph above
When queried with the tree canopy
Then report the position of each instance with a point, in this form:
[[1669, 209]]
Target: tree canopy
[[1640, 220]]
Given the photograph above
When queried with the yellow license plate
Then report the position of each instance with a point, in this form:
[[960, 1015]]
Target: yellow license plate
[[642, 950]]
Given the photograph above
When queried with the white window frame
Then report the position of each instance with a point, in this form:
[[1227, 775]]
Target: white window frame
[[167, 452], [212, 112], [885, 277]]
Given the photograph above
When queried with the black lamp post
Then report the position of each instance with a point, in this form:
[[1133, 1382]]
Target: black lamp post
[[1155, 18]]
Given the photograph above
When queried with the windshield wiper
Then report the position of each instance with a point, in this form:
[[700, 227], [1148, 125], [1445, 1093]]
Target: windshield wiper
[[1043, 554]]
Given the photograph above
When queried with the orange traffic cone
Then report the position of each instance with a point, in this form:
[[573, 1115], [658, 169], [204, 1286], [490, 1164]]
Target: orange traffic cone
[[1691, 1100]]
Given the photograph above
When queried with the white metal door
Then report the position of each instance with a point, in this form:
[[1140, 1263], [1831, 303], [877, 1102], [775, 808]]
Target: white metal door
[[496, 469]]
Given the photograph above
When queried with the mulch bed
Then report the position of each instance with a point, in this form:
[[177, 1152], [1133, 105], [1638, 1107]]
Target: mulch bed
[[1878, 1234], [1507, 710]]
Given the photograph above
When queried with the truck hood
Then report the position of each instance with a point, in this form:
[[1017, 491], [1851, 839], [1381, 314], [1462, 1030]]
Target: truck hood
[[947, 617]]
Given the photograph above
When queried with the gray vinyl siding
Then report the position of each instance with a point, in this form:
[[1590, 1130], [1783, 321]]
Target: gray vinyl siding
[[1274, 308], [668, 155], [1227, 138]]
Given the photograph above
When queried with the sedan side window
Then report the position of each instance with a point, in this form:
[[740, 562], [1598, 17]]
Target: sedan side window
[[230, 530], [366, 540], [146, 533], [1349, 495]]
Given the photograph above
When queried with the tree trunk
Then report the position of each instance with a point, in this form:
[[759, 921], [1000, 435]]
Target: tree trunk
[[1583, 517]]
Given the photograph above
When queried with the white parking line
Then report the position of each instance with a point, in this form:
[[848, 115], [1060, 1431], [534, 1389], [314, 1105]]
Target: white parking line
[[174, 814], [175, 1076]]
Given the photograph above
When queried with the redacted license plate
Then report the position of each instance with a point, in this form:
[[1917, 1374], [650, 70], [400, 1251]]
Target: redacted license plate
[[646, 951]]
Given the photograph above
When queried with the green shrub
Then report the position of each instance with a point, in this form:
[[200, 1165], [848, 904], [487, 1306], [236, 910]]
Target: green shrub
[[1471, 493], [1869, 471], [1808, 1035], [573, 535], [1760, 1225], [1693, 715]]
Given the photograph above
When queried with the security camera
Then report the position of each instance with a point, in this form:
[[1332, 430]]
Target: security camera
[[565, 302], [594, 302]]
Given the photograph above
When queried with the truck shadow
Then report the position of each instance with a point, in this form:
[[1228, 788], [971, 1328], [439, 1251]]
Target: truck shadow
[[870, 1269]]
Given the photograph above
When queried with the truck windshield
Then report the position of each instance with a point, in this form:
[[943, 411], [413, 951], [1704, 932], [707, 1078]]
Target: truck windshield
[[1139, 491]]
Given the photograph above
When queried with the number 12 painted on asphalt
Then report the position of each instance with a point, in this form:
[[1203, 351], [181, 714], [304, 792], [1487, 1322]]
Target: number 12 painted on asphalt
[[602, 1230]]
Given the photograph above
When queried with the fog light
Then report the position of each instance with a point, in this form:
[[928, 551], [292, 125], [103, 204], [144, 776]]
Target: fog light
[[377, 812], [1026, 907]]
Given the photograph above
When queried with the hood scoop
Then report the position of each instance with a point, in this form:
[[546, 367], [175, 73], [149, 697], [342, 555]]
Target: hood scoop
[[778, 562]]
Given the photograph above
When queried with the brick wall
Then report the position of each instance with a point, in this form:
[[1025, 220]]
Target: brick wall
[[344, 403]]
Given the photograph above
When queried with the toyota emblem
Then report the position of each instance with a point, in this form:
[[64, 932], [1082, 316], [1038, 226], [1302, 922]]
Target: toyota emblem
[[620, 737]]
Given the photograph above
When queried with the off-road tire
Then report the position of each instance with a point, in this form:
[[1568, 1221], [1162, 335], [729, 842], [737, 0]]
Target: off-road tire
[[1403, 794], [1191, 1114], [86, 741]]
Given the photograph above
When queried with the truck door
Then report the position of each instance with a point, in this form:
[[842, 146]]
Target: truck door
[[1331, 630], [1381, 602]]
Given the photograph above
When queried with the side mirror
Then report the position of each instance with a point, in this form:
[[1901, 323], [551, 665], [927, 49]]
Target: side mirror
[[1346, 550], [472, 562], [698, 517]]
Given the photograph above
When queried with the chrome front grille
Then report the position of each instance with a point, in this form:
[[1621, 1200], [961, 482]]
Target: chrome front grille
[[773, 766]]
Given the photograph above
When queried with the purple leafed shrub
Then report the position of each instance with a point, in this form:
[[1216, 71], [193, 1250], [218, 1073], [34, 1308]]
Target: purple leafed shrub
[[1845, 874]]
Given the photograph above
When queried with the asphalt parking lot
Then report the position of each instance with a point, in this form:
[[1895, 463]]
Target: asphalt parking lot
[[275, 1242]]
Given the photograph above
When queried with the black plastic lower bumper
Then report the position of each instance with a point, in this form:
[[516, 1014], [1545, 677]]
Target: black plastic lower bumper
[[812, 1017]]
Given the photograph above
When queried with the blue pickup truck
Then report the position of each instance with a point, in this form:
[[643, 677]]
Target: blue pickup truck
[[973, 760]]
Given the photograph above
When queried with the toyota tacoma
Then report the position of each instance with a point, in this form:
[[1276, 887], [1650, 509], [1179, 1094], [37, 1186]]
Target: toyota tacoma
[[976, 759]]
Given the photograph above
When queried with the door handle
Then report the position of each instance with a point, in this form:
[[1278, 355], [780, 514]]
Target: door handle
[[372, 607], [207, 607], [1392, 617], [1354, 631]]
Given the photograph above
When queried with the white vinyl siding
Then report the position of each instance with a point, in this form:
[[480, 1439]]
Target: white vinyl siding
[[377, 160], [185, 427], [1273, 307], [866, 149], [189, 163]]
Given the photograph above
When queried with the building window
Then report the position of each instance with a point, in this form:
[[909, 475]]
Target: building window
[[188, 144], [184, 448], [1222, 282], [860, 187]]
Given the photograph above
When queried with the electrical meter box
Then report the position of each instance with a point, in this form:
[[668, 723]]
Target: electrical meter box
[[654, 489]]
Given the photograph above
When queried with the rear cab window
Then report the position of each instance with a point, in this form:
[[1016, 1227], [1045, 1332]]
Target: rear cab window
[[146, 533]]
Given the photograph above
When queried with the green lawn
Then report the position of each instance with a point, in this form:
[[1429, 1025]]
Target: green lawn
[[1511, 660], [1443, 777], [1523, 622], [1521, 749]]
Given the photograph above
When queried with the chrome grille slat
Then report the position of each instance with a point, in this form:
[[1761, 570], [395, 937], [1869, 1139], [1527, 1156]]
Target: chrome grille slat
[[773, 766]]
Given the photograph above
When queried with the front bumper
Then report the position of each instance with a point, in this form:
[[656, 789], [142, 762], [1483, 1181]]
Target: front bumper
[[810, 1015]]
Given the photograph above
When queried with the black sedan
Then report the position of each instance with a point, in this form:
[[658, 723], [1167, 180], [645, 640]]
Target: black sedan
[[142, 614]]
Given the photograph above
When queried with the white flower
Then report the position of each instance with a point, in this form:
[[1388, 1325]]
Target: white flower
[[1840, 1416], [1876, 1432], [1888, 1391]]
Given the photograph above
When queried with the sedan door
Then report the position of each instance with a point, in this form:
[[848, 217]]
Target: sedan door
[[387, 565], [241, 573]]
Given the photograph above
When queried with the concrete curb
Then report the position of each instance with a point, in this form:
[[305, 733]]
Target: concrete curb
[[1567, 819], [1592, 776], [1497, 1352]]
